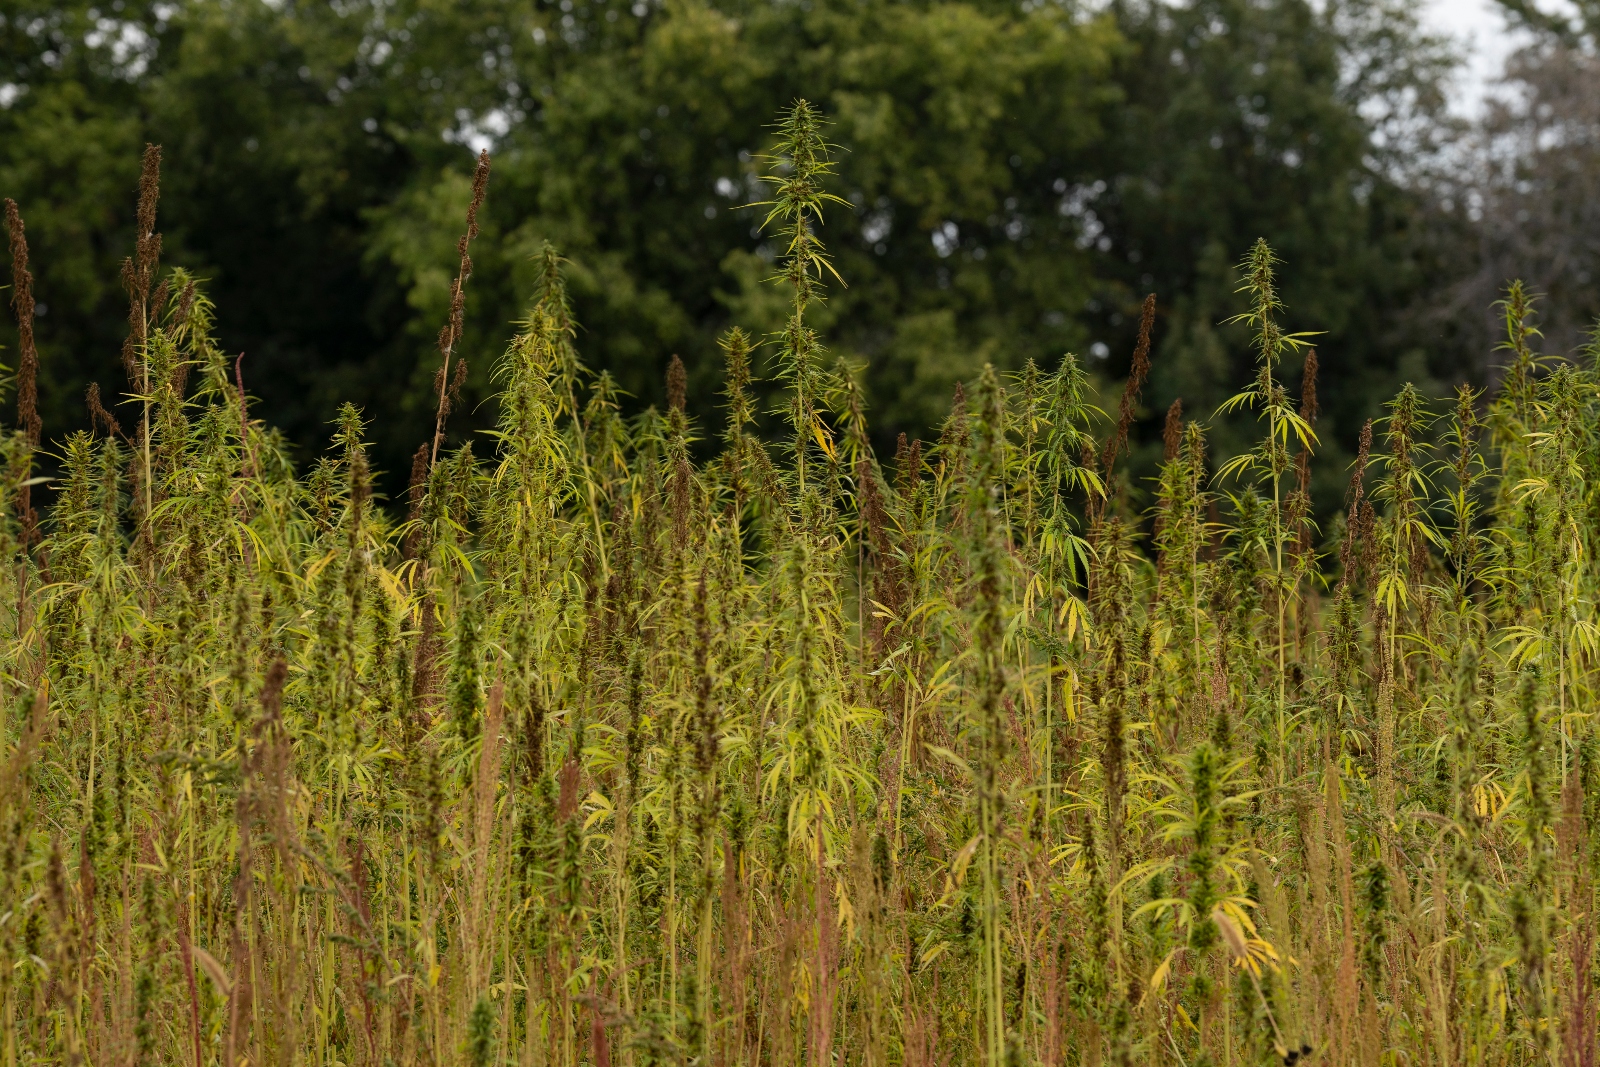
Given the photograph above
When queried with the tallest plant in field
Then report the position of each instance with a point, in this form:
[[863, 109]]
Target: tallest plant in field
[[1268, 463], [813, 768], [800, 163]]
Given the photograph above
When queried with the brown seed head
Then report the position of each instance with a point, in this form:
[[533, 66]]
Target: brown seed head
[[450, 335], [1353, 504], [272, 688], [1367, 535], [677, 384], [158, 299], [1172, 432], [138, 271], [1308, 387], [682, 483], [149, 194], [22, 302], [185, 305], [1138, 372], [1357, 489], [480, 189], [98, 415], [418, 485], [130, 343], [567, 802], [901, 445]]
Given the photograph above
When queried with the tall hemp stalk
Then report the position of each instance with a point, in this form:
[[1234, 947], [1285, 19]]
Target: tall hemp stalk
[[1269, 461], [636, 739]]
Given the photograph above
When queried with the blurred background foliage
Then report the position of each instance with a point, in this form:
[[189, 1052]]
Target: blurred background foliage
[[1018, 176]]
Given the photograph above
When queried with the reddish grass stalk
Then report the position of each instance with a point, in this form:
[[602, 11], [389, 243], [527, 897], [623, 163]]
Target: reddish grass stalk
[[450, 335]]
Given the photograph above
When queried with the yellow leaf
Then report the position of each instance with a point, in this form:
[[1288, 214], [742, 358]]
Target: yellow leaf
[[934, 953], [824, 441], [1158, 977], [958, 867], [214, 971]]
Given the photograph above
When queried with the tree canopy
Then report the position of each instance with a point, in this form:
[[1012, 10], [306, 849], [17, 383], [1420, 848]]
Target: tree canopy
[[1015, 178]]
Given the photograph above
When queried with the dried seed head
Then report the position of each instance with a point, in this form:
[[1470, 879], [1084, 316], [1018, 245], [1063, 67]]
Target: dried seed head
[[147, 242], [908, 466], [682, 484], [1363, 451], [149, 194], [1308, 387], [568, 780], [272, 688], [677, 384], [1349, 552], [158, 299], [1138, 372], [22, 303], [480, 189], [1367, 536], [139, 269], [418, 486], [1172, 432], [450, 334], [180, 315]]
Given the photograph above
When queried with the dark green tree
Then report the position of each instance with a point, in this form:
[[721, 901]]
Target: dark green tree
[[1018, 175]]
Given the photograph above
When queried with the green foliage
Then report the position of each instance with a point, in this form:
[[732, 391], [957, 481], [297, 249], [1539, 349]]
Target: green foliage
[[1017, 180], [613, 753]]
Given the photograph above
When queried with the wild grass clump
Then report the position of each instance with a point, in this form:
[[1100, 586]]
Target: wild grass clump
[[602, 753]]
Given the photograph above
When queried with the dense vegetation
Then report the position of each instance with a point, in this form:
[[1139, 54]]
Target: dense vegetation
[[1019, 177], [796, 754]]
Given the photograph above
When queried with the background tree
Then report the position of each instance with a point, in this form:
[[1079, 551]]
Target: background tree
[[1534, 179], [1020, 176]]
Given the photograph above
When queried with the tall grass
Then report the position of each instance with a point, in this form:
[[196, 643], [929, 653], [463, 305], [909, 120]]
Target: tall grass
[[593, 752]]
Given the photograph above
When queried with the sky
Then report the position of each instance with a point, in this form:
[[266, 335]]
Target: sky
[[1482, 29]]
